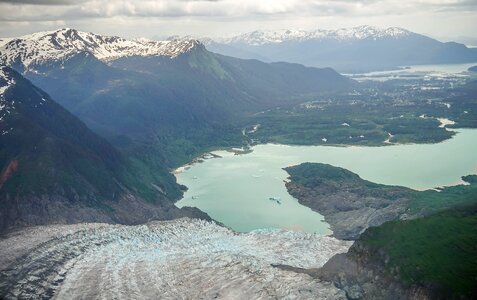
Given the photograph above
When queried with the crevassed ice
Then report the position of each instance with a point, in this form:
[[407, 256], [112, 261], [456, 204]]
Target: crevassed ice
[[180, 259]]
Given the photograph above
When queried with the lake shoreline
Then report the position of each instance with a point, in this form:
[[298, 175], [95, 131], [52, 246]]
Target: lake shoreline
[[246, 150], [197, 189]]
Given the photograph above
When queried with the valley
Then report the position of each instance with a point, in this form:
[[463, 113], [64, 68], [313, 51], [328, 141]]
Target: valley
[[132, 168]]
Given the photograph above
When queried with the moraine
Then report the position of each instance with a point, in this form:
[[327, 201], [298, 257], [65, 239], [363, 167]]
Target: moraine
[[235, 189]]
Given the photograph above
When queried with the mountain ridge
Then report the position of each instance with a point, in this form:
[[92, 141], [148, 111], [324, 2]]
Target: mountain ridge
[[58, 45]]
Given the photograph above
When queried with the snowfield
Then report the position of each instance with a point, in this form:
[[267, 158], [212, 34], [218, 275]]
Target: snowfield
[[179, 259]]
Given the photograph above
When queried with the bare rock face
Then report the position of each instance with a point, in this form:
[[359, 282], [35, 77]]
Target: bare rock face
[[184, 258], [347, 212]]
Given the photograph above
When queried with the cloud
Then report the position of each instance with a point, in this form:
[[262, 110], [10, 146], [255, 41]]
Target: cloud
[[217, 8], [41, 2], [236, 15]]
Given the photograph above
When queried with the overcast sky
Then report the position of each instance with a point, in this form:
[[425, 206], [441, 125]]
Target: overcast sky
[[444, 19]]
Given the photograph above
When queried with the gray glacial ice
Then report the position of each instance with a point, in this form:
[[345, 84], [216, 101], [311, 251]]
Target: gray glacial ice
[[179, 259]]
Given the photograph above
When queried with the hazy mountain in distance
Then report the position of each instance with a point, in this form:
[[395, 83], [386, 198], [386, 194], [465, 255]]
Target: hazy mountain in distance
[[361, 48]]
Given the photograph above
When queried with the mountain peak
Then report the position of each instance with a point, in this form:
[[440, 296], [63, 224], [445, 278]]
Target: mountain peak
[[59, 45]]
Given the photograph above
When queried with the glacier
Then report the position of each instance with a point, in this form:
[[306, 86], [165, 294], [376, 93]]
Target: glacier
[[178, 259]]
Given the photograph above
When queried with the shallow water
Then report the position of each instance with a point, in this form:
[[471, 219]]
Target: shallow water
[[235, 189]]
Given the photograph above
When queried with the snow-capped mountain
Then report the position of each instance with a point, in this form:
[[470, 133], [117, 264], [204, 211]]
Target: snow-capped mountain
[[355, 33], [60, 44], [357, 49]]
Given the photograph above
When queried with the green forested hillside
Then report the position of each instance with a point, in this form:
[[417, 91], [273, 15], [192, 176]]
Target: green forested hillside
[[438, 252], [47, 153]]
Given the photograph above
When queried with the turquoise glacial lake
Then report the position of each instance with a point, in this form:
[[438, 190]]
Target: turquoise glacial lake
[[235, 189]]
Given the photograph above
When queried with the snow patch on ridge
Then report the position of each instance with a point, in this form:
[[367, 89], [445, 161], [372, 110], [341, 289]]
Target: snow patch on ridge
[[5, 80], [5, 107]]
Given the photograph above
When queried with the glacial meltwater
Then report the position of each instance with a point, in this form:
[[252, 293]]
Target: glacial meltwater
[[237, 189]]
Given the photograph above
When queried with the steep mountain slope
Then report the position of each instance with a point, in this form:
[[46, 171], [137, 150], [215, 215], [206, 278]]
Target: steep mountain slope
[[360, 48], [175, 98], [281, 83], [54, 169]]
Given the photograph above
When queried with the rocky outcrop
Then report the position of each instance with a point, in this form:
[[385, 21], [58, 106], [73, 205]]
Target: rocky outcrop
[[348, 203], [346, 212], [361, 278]]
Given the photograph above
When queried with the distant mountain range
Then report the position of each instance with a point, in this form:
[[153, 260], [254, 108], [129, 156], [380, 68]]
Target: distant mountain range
[[157, 104], [362, 48]]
